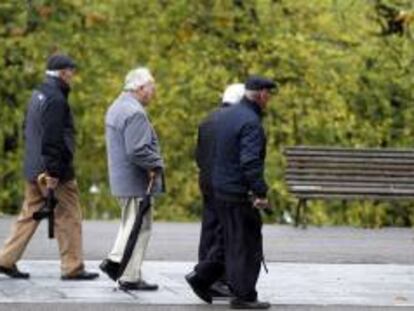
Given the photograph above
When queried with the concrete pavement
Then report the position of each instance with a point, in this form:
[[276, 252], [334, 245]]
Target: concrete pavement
[[287, 284], [316, 269]]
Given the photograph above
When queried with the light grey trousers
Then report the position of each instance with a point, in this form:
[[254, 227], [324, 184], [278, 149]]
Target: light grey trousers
[[130, 208]]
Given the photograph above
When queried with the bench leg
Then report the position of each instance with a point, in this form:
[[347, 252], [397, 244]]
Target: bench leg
[[298, 208], [305, 219], [301, 209]]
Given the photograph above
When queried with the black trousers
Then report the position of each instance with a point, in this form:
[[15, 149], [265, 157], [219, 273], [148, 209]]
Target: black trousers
[[211, 247], [243, 249], [211, 236]]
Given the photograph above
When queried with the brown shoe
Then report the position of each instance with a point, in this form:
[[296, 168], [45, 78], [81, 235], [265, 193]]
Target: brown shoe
[[14, 273]]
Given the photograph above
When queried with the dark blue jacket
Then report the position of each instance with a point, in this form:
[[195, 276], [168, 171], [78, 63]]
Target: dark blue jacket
[[205, 149], [240, 151], [49, 132]]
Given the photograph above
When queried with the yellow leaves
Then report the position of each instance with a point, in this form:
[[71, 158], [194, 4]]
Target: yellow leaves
[[17, 32], [335, 78], [224, 21], [184, 33], [93, 19], [44, 11]]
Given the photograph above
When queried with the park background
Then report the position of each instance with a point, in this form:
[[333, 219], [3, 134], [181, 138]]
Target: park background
[[346, 76]]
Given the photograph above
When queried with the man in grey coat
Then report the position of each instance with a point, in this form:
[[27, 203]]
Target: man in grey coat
[[133, 159]]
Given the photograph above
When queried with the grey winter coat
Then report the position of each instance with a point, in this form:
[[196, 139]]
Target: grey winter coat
[[132, 148]]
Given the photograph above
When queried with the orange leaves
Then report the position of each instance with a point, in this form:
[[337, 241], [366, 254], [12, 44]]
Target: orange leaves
[[45, 11], [17, 32], [93, 19]]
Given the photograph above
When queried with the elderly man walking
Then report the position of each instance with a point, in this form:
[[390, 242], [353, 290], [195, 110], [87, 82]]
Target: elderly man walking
[[49, 150], [211, 236], [239, 193], [133, 159]]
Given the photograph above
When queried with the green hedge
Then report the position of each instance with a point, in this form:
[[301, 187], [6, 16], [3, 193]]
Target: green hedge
[[344, 82]]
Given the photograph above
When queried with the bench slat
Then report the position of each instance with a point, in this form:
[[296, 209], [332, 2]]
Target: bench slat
[[374, 184], [350, 172], [350, 161], [350, 152], [352, 196], [351, 190], [352, 178], [407, 156]]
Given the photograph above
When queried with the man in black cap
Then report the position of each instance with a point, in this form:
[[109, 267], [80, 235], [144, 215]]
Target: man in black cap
[[240, 192], [49, 135]]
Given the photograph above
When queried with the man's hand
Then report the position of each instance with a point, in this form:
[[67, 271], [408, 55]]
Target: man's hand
[[51, 182], [47, 181], [261, 203], [152, 174]]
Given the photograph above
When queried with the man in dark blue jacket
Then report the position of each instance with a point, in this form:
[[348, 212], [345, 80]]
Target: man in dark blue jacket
[[211, 237], [49, 135], [240, 191]]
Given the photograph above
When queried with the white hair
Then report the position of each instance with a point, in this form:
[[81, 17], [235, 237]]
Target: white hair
[[53, 73], [137, 78], [233, 93]]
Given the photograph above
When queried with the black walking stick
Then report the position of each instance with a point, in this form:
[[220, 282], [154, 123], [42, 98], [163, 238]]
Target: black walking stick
[[47, 210], [144, 206]]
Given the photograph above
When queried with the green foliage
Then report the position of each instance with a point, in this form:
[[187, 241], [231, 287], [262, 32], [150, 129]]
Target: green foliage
[[343, 83]]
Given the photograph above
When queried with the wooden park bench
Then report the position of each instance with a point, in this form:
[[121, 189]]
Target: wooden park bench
[[344, 173]]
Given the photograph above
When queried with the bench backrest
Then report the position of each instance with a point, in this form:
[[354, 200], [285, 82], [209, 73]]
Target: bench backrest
[[345, 173]]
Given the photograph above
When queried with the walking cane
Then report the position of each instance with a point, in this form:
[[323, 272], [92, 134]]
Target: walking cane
[[144, 207]]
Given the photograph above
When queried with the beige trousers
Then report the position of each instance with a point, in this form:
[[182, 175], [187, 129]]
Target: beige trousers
[[130, 207], [68, 228]]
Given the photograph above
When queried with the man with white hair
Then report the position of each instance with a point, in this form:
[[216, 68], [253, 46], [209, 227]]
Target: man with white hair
[[133, 159], [49, 137], [240, 191], [233, 94], [210, 247]]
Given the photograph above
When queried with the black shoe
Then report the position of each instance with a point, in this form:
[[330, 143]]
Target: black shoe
[[81, 276], [238, 303], [139, 285], [14, 273], [110, 268], [198, 288], [220, 289]]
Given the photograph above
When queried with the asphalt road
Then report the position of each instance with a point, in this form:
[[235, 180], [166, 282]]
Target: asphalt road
[[179, 242]]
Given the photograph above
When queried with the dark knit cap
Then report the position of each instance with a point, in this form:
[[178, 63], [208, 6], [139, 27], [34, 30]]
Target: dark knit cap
[[60, 61]]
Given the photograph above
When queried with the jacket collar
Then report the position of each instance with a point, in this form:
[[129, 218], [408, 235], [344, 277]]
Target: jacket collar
[[131, 98], [252, 105], [59, 84], [224, 105]]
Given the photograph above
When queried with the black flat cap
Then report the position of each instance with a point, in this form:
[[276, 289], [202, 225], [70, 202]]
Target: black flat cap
[[60, 61], [257, 83]]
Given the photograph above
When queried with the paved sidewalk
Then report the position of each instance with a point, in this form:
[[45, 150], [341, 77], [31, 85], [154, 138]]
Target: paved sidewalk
[[287, 284], [318, 269]]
